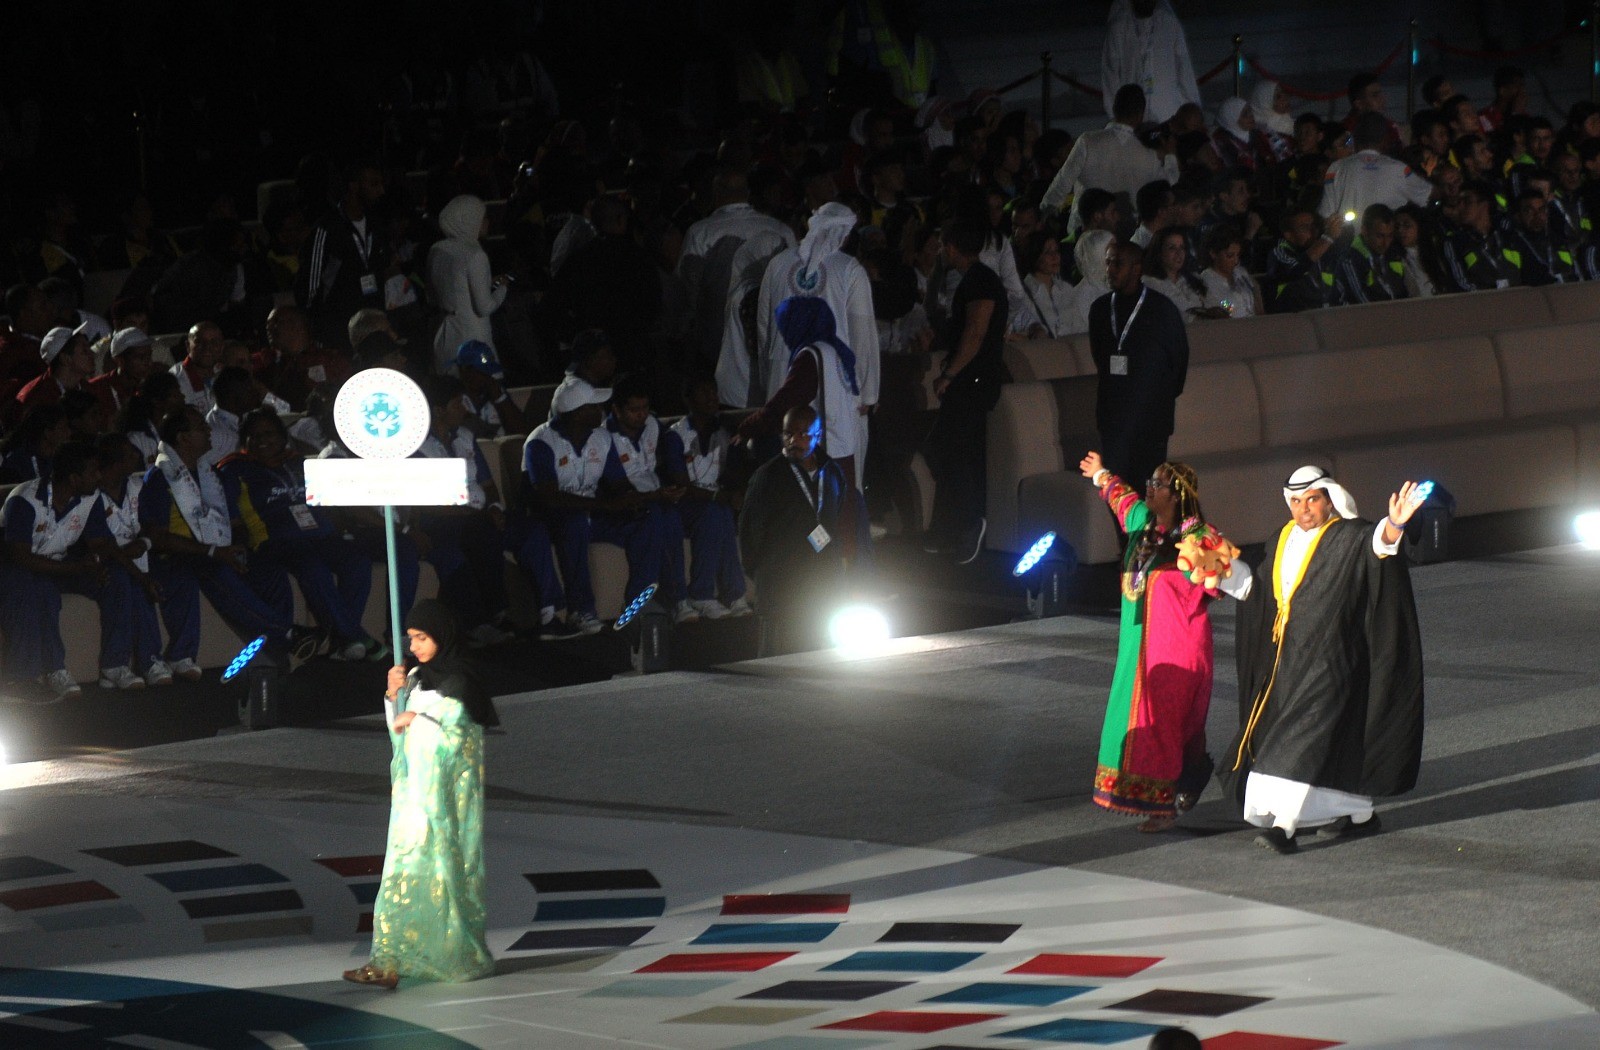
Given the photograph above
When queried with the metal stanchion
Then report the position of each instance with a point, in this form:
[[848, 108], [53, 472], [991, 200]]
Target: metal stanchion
[[1411, 73], [1044, 90], [1594, 51], [1238, 65]]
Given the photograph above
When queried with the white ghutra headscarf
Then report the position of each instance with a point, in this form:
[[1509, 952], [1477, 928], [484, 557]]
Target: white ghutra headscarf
[[1308, 477]]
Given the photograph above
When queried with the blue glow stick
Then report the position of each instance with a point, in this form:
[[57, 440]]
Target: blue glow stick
[[634, 606], [1040, 547]]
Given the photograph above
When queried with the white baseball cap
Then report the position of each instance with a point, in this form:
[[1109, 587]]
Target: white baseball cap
[[128, 338], [575, 393], [54, 342]]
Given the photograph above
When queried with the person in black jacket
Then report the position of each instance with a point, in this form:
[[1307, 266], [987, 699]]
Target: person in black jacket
[[1141, 353], [790, 537], [346, 260]]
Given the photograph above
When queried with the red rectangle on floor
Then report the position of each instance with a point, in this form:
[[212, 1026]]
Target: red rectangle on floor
[[350, 867], [715, 962], [911, 1021], [1087, 965], [1264, 1041], [54, 896], [785, 903], [364, 922]]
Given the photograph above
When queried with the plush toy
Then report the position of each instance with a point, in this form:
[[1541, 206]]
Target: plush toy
[[1206, 558]]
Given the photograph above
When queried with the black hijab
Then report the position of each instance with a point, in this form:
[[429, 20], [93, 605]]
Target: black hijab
[[450, 672]]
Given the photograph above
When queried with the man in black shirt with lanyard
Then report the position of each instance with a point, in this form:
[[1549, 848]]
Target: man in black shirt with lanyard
[[791, 540], [1141, 353], [346, 259], [968, 388]]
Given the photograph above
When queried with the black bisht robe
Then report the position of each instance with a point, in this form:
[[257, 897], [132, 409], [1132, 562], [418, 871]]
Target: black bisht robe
[[1345, 706]]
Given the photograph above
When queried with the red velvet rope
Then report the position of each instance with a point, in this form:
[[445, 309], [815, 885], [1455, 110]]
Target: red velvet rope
[[1521, 52], [1211, 74], [1071, 82], [1017, 83], [1324, 96]]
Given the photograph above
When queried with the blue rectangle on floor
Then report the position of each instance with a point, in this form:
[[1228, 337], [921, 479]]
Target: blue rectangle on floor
[[905, 962], [766, 933], [225, 877], [601, 908], [586, 937], [28, 868], [1075, 1030], [657, 988], [1009, 993]]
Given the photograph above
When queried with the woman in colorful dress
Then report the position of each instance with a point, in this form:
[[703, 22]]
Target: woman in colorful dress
[[1153, 760], [429, 919]]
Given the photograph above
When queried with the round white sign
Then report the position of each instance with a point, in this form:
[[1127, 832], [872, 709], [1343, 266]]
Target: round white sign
[[381, 414]]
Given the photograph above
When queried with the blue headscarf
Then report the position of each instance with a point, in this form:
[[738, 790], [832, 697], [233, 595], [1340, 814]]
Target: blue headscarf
[[806, 320]]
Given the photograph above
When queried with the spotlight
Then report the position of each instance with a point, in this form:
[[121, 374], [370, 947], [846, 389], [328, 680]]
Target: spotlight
[[858, 630], [1349, 216], [1587, 527], [1044, 571], [261, 705], [651, 649]]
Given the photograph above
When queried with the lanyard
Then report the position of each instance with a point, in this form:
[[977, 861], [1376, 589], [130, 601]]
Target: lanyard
[[1051, 328], [363, 240], [1122, 338], [805, 488], [1548, 254]]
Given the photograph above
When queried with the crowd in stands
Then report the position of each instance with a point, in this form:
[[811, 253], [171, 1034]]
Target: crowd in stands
[[491, 238]]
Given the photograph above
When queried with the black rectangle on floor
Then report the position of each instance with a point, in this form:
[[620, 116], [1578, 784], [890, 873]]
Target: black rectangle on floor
[[14, 868], [837, 991], [592, 881], [592, 937], [950, 932], [158, 853], [243, 904], [1195, 1004]]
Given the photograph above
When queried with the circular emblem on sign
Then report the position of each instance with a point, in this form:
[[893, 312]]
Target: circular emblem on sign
[[381, 414]]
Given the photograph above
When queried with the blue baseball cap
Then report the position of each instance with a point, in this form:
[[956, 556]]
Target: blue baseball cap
[[478, 355]]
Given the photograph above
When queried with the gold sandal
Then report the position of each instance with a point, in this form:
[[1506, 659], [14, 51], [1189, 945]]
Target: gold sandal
[[370, 974]]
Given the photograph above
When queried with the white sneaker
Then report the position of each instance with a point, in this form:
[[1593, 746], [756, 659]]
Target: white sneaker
[[877, 531], [709, 609], [740, 606], [61, 685], [119, 678], [352, 651], [685, 612], [158, 674], [547, 615], [186, 669], [585, 623]]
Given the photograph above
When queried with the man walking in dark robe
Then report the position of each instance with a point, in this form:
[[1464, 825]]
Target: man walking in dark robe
[[1330, 669]]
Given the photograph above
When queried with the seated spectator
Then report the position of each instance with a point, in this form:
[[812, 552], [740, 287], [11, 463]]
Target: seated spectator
[[1230, 289], [1510, 98], [1270, 105], [1299, 272], [564, 460], [1373, 269], [236, 354], [1542, 142], [199, 365], [789, 535], [292, 362], [693, 455], [1305, 170], [1237, 140], [138, 242], [69, 362], [821, 373], [1154, 201], [53, 529], [1091, 257], [138, 421], [593, 367], [1418, 237], [1167, 270], [235, 394], [1197, 157], [27, 451], [465, 545], [1366, 96], [1476, 161], [1368, 177], [636, 442], [121, 470], [491, 411], [1100, 211], [67, 299], [1474, 251], [219, 282], [612, 284], [265, 484], [1530, 250], [886, 185], [1050, 298], [1232, 205], [183, 511], [1430, 143], [1571, 220], [286, 232], [31, 317], [130, 364]]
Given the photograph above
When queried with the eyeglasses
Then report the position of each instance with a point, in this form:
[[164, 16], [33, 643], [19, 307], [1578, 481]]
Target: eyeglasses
[[1158, 482]]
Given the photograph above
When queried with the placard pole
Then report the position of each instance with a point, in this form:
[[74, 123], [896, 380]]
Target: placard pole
[[396, 635]]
